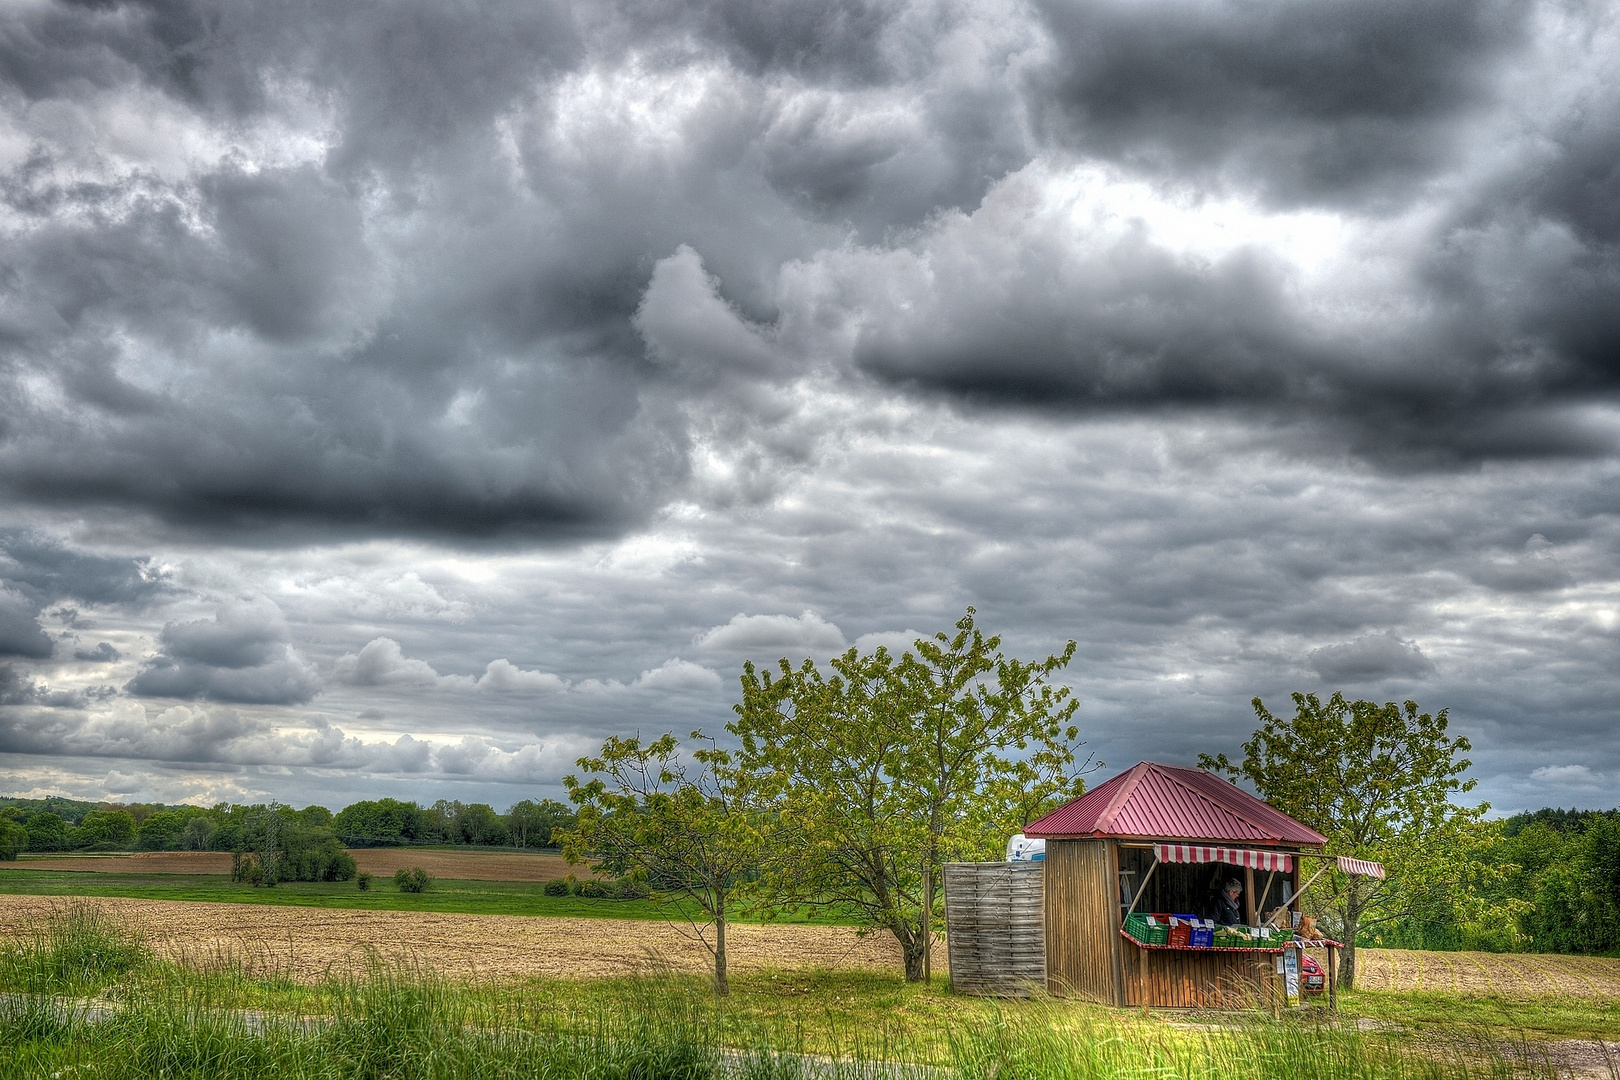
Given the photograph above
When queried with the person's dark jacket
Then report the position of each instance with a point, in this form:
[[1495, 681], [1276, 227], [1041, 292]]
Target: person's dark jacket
[[1227, 912]]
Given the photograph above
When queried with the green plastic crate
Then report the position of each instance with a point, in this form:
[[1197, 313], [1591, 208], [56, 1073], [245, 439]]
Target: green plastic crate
[[1156, 933]]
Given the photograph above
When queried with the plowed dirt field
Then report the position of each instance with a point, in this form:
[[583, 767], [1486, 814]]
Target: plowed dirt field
[[466, 866], [1512, 975], [306, 943]]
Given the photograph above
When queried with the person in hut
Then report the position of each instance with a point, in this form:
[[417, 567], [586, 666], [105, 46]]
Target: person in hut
[[1228, 912]]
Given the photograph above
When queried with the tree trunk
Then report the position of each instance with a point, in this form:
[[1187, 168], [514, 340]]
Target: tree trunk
[[721, 986], [911, 948]]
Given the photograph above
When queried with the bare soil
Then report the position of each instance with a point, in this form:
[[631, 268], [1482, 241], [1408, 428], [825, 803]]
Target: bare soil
[[1510, 975], [305, 943], [464, 865]]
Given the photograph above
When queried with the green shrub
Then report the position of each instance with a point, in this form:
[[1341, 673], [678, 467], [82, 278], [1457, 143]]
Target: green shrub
[[556, 888], [363, 881], [630, 889], [414, 880], [592, 889]]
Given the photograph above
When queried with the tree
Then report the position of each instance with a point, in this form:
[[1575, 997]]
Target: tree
[[884, 769], [1377, 781], [104, 829], [680, 822], [13, 839], [532, 823]]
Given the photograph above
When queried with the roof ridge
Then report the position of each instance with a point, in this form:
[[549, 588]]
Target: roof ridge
[[1206, 799], [1132, 778]]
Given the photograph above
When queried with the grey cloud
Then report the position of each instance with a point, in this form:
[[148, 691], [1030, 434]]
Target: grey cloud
[[103, 653], [1354, 100], [1375, 656], [20, 633], [243, 655]]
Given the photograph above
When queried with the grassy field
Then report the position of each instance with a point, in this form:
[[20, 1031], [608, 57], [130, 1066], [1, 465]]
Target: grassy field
[[144, 1017]]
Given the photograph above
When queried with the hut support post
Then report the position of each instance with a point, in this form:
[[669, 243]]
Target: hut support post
[[1333, 979], [1147, 877], [1248, 896], [1143, 985]]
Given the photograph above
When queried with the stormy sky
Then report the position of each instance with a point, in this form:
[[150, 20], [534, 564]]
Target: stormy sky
[[399, 397]]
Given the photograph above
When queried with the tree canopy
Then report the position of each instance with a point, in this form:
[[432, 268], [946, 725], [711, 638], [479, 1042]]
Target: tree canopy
[[1377, 780], [881, 769]]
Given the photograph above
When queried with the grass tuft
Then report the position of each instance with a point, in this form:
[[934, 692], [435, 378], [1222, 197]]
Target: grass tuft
[[77, 948]]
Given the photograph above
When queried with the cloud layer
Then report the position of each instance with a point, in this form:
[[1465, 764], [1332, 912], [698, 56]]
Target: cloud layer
[[470, 382]]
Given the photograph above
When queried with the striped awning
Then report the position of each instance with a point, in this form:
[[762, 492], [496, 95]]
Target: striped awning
[[1361, 867], [1260, 860]]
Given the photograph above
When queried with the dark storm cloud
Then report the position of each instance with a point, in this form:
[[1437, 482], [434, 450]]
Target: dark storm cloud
[[37, 571], [1309, 101]]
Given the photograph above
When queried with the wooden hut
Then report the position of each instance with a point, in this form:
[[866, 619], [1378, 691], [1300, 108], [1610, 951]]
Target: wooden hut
[[1162, 839]]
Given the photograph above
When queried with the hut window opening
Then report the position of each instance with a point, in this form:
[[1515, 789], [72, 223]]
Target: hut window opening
[[1191, 888]]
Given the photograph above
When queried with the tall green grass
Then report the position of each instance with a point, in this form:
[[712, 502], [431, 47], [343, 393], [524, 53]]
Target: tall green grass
[[397, 1021], [74, 949]]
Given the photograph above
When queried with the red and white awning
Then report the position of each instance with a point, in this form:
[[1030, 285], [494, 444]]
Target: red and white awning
[[1362, 867], [1260, 860]]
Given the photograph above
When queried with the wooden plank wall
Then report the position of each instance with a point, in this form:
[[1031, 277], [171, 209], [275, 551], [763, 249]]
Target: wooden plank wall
[[1206, 978], [1082, 920], [994, 929]]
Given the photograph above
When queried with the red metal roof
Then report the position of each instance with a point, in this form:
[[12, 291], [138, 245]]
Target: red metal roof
[[1166, 802]]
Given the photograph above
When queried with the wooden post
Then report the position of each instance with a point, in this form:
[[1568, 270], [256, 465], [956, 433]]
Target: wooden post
[[1143, 991], [1248, 896], [1116, 947], [1333, 979]]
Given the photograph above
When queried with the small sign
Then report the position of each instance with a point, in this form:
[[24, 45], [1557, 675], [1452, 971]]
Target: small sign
[[1290, 961]]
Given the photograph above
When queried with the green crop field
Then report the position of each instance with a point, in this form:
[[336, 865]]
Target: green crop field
[[464, 897]]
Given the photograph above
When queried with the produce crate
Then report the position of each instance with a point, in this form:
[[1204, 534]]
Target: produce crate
[[1202, 937], [1180, 935], [1147, 929]]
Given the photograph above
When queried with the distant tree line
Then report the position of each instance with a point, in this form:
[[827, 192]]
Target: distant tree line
[[301, 842]]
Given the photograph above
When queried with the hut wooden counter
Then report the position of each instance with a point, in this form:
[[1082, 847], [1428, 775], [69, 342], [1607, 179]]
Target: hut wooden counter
[[1161, 838]]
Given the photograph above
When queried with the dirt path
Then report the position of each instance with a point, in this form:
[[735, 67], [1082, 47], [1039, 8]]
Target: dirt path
[[308, 942]]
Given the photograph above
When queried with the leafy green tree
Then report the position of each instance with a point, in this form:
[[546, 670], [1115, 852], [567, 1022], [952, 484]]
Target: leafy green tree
[[13, 839], [1377, 781], [882, 770], [198, 833], [105, 829], [480, 824], [46, 832], [532, 824], [682, 822], [384, 823], [160, 831]]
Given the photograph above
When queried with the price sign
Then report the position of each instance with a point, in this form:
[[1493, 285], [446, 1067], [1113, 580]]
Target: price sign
[[1291, 975]]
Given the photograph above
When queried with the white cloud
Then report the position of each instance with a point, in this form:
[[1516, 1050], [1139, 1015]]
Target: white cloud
[[897, 642], [744, 632], [381, 662], [1569, 776], [678, 674], [502, 676]]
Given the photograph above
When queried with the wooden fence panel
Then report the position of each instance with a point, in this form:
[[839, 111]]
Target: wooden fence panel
[[994, 927]]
